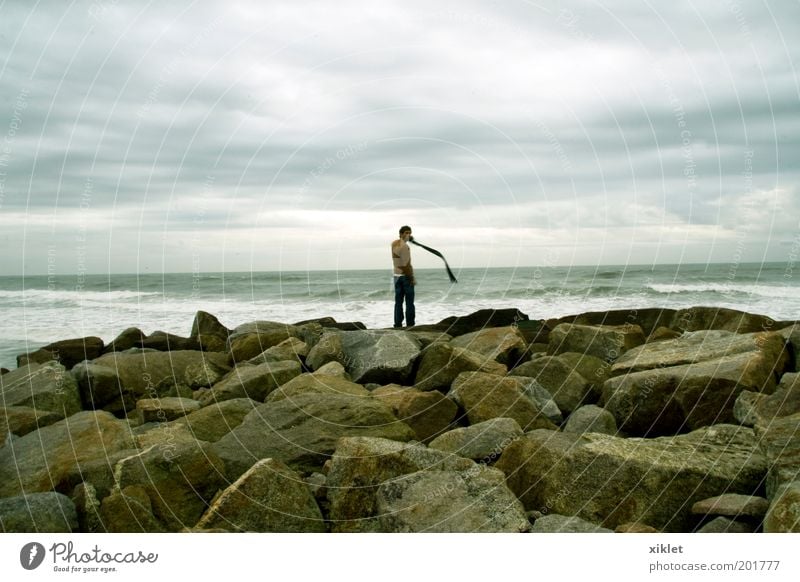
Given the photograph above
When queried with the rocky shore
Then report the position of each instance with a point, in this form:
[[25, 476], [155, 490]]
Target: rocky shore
[[623, 421]]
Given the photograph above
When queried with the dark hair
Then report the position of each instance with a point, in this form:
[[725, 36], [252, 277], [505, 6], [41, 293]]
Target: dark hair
[[405, 229]]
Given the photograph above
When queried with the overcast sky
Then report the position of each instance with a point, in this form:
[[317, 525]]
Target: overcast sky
[[185, 136]]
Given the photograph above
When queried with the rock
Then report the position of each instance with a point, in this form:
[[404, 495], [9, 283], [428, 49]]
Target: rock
[[792, 336], [20, 420], [635, 527], [317, 383], [725, 525], [333, 369], [783, 515], [427, 338], [360, 465], [115, 381], [97, 473], [611, 480], [719, 318], [442, 363], [214, 421], [209, 333], [554, 523], [38, 513], [663, 333], [163, 435], [568, 389], [483, 442], [733, 505], [302, 431], [87, 506], [785, 401], [540, 397], [476, 500], [460, 325], [291, 349], [44, 387], [591, 418], [204, 374], [607, 342], [169, 342], [779, 442], [131, 337], [66, 352], [317, 484], [427, 413], [252, 339], [164, 409], [328, 349], [502, 344], [746, 406], [180, 481], [534, 331], [41, 460], [692, 381], [647, 319], [256, 382], [594, 370], [382, 357], [129, 511], [269, 497], [486, 396]]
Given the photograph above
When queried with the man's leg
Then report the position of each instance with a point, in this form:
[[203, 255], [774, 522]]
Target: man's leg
[[410, 310], [399, 295]]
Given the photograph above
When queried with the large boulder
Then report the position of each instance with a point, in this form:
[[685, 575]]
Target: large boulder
[[20, 420], [719, 318], [248, 381], [38, 513], [42, 460], [129, 511], [380, 356], [288, 350], [213, 422], [482, 442], [783, 515], [251, 339], [779, 440], [734, 506], [131, 337], [591, 418], [179, 481], [693, 381], [209, 333], [302, 431], [441, 363], [269, 497], [115, 381], [502, 344], [607, 342], [44, 387], [476, 500], [647, 319], [165, 409], [611, 481], [486, 396], [163, 341], [594, 370], [360, 465], [568, 388], [66, 352], [427, 413], [317, 382]]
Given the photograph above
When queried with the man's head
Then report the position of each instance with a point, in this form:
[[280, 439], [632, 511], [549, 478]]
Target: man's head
[[405, 233]]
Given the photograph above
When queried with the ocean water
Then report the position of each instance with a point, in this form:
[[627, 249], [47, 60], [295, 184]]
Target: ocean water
[[39, 310]]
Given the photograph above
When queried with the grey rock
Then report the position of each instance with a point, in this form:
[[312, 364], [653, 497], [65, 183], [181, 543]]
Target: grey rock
[[505, 345], [483, 442], [568, 388], [591, 418], [607, 342], [427, 413], [441, 364], [165, 409], [779, 442], [727, 525], [783, 515], [383, 357], [733, 505], [44, 387], [38, 513], [256, 382]]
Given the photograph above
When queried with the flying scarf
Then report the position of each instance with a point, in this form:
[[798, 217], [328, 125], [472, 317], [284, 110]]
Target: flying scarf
[[438, 254]]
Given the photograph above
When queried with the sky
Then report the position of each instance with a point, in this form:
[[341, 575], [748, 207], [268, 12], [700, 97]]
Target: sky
[[286, 135]]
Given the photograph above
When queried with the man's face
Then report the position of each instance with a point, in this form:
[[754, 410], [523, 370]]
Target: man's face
[[406, 235]]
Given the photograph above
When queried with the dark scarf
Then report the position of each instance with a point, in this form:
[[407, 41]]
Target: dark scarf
[[438, 254]]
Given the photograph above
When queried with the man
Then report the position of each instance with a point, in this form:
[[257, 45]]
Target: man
[[403, 278]]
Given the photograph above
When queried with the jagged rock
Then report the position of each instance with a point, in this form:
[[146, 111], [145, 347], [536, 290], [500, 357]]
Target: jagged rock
[[164, 409], [783, 515], [269, 497], [483, 442], [203, 374], [41, 460], [442, 363], [733, 505], [115, 381], [44, 387], [475, 500], [647, 319], [591, 418], [209, 333], [785, 401], [594, 370], [87, 506], [360, 465], [289, 349], [428, 413], [129, 511], [214, 421], [568, 388], [379, 356], [20, 420], [554, 523], [427, 338], [540, 397], [179, 481], [38, 513], [746, 406], [317, 383], [779, 441], [66, 352], [164, 435], [327, 349], [663, 333], [486, 396], [302, 431], [131, 337], [462, 324], [607, 342], [97, 472], [169, 342], [251, 339], [502, 344], [719, 318], [333, 369], [726, 525], [256, 382], [692, 381], [611, 480]]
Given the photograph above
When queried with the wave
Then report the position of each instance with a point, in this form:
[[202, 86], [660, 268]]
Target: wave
[[53, 295], [725, 289]]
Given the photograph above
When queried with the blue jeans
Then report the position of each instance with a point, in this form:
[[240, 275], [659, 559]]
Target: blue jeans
[[403, 290]]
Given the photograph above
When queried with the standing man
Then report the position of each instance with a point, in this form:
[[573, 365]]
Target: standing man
[[403, 278]]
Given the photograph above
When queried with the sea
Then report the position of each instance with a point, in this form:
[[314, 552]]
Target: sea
[[37, 310]]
